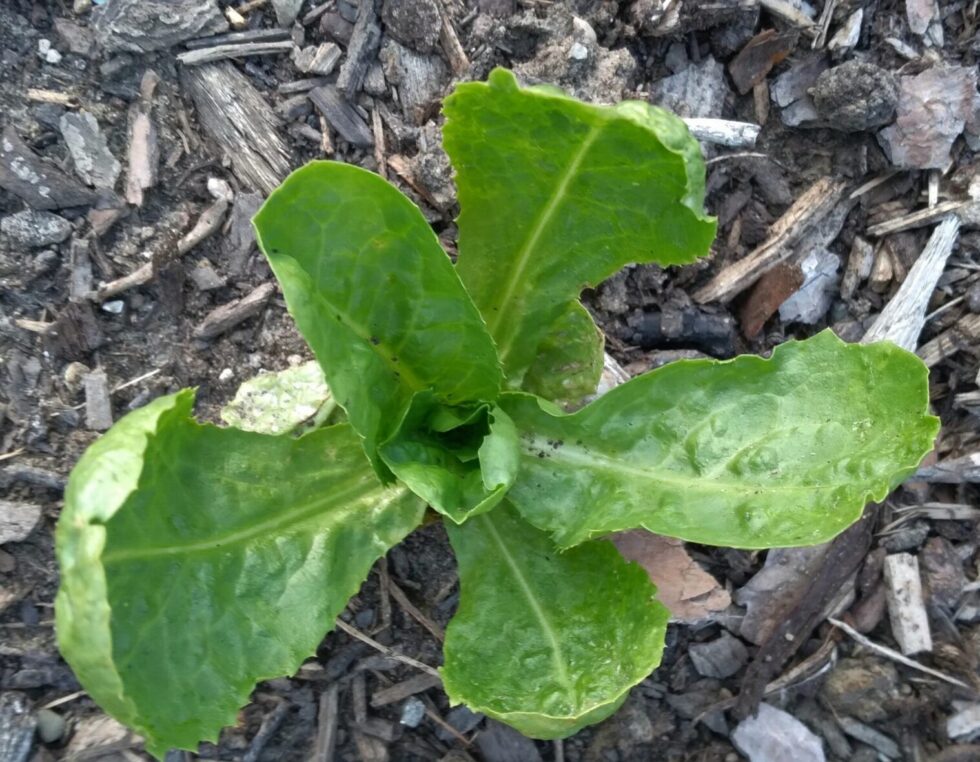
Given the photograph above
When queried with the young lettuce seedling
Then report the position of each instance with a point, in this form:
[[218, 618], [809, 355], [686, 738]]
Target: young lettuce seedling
[[198, 560]]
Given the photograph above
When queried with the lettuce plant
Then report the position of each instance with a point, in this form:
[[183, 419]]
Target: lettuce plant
[[198, 560]]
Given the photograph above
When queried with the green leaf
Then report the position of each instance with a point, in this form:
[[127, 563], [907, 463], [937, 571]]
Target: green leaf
[[375, 296], [547, 642], [556, 195], [568, 364], [748, 452], [196, 561], [280, 402], [460, 462]]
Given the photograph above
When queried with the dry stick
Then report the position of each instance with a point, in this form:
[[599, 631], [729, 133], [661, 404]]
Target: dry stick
[[965, 331], [326, 725], [451, 45], [808, 210], [221, 52], [723, 131], [917, 219], [903, 317], [895, 655], [399, 595], [389, 652]]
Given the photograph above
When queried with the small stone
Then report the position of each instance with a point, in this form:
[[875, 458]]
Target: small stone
[[204, 276], [773, 735], [17, 520], [226, 375], [965, 723], [942, 574], [862, 688], [578, 52], [94, 162], [856, 96], [463, 719], [34, 229], [217, 187], [50, 725], [501, 743], [720, 658], [46, 52], [413, 710], [115, 307], [700, 90]]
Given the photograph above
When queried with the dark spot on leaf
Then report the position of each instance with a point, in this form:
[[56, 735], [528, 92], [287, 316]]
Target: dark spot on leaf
[[375, 340]]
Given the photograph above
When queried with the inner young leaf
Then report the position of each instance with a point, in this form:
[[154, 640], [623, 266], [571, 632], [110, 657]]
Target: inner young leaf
[[461, 460]]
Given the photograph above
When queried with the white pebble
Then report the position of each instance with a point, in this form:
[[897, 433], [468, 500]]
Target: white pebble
[[226, 375]]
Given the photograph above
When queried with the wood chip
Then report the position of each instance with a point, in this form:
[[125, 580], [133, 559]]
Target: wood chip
[[404, 689], [770, 291], [964, 334], [98, 405], [809, 210], [144, 148], [40, 184], [759, 55], [902, 319], [341, 115], [240, 121], [227, 316], [914, 220], [326, 725], [906, 606], [362, 50]]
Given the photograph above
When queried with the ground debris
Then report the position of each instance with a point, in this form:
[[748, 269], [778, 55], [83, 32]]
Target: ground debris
[[240, 121], [40, 184], [17, 520], [94, 162], [17, 724], [933, 109], [688, 591], [721, 657], [759, 56], [341, 115], [855, 96], [773, 735], [227, 316], [98, 404], [142, 26], [33, 229], [906, 606]]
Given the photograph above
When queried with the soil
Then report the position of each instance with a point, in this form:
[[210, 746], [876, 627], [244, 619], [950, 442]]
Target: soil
[[147, 334]]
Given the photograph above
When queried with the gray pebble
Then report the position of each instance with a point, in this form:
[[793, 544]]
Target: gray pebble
[[50, 725], [856, 96]]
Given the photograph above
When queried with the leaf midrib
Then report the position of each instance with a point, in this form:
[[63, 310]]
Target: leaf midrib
[[274, 526], [557, 653], [578, 457], [524, 256]]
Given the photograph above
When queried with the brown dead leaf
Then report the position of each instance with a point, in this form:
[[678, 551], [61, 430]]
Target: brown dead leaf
[[688, 591]]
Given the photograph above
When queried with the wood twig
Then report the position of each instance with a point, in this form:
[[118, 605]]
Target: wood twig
[[889, 653], [234, 50], [389, 652], [723, 132]]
